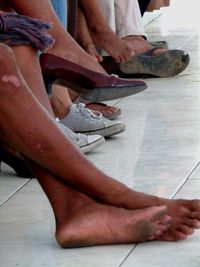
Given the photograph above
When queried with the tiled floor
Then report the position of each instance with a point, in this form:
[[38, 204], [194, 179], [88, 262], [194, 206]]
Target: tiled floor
[[159, 153]]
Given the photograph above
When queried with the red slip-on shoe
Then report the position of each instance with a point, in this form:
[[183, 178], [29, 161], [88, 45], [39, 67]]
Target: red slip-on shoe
[[91, 85]]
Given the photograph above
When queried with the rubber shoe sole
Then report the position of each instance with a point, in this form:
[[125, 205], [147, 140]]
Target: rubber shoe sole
[[108, 131], [94, 141]]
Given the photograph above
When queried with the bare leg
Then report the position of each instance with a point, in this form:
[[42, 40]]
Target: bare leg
[[125, 19], [68, 205], [60, 101], [32, 140], [80, 221], [24, 55], [102, 34], [13, 84], [84, 38], [64, 46]]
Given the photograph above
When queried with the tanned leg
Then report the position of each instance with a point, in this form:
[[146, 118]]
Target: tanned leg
[[102, 34], [64, 46], [76, 215], [28, 63], [54, 152], [60, 101], [84, 38], [80, 221]]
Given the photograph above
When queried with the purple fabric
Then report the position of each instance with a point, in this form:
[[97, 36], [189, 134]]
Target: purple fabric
[[22, 30]]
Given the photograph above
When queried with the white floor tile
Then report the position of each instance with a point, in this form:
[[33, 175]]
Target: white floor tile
[[27, 233], [168, 254], [196, 173], [27, 218], [9, 183], [174, 254], [53, 256]]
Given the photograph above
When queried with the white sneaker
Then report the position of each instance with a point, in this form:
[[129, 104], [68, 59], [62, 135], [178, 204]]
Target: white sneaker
[[82, 120], [84, 142]]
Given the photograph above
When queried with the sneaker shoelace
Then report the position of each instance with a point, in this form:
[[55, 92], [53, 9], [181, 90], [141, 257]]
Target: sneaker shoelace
[[90, 114], [73, 136]]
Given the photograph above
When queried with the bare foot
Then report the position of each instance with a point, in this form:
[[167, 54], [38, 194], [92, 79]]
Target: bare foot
[[139, 45], [106, 110], [91, 49], [186, 218], [185, 214], [68, 49], [107, 40], [98, 224]]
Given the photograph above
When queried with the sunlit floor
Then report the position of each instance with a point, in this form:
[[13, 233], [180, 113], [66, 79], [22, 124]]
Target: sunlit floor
[[159, 154]]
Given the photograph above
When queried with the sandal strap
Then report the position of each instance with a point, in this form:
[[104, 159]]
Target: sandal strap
[[151, 51]]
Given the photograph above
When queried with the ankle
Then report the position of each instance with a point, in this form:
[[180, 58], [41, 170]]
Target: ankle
[[60, 110], [61, 114]]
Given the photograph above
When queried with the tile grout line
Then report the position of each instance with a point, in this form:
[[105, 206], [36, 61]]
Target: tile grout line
[[118, 101], [5, 201], [187, 41], [198, 164], [184, 181], [126, 257], [173, 195]]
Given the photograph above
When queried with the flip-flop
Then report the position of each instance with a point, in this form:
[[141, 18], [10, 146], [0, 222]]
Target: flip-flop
[[99, 106], [147, 65], [166, 64]]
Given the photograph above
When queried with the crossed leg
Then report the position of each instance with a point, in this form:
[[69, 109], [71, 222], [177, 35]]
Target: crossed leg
[[71, 207], [81, 221], [41, 140], [64, 46]]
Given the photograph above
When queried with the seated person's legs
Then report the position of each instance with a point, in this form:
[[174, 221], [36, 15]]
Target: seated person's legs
[[60, 97], [69, 205], [41, 140], [78, 118], [129, 25], [103, 35], [64, 46], [84, 38]]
